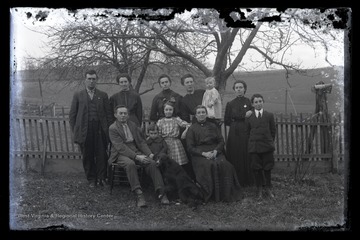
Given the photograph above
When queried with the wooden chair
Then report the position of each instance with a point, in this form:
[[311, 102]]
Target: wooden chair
[[118, 175]]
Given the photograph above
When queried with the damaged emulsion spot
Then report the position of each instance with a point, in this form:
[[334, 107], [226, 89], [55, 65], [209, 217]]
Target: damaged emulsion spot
[[337, 19], [230, 22], [143, 14], [153, 14], [271, 19], [42, 15]]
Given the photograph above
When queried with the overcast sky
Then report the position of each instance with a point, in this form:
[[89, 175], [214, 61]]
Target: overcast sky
[[28, 40]]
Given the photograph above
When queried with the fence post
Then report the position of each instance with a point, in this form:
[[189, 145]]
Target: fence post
[[43, 160], [335, 146], [54, 110]]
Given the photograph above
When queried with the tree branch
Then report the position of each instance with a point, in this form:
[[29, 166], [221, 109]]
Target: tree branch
[[243, 50], [182, 54], [150, 89]]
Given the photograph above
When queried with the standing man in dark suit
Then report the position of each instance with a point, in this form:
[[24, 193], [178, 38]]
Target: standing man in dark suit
[[90, 118], [261, 131]]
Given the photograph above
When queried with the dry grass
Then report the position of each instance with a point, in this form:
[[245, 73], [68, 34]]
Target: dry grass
[[64, 202]]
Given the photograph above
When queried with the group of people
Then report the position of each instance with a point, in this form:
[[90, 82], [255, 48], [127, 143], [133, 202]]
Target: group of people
[[187, 128]]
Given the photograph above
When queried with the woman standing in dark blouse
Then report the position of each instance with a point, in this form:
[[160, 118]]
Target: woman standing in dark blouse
[[213, 172], [236, 147], [127, 97], [157, 106], [192, 98]]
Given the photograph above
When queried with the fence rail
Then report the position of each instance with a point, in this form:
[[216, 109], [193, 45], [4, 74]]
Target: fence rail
[[297, 137], [31, 109]]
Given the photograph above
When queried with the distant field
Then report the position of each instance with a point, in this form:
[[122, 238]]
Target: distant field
[[271, 84]]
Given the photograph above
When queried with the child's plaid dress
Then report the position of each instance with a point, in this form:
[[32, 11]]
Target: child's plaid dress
[[169, 129]]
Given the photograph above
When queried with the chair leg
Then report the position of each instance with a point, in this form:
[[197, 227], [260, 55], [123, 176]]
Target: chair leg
[[112, 178]]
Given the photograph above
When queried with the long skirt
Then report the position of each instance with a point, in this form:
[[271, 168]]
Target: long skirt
[[237, 154], [217, 178]]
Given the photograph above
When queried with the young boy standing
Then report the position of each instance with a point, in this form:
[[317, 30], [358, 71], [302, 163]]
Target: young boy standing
[[261, 130]]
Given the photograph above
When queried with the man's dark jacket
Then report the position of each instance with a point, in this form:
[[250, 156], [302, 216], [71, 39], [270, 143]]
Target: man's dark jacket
[[79, 115]]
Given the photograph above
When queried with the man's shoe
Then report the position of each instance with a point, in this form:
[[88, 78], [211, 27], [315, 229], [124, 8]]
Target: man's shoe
[[164, 200], [140, 199], [269, 193], [92, 184], [101, 182], [259, 194]]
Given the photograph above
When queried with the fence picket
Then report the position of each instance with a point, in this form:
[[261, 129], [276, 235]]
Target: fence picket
[[25, 134], [54, 135], [317, 135], [282, 134], [302, 141], [31, 135], [60, 137], [341, 134], [48, 133], [292, 137], [66, 136], [293, 133], [277, 137], [37, 135]]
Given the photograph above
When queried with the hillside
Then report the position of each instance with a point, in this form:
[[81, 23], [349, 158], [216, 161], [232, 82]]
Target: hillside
[[271, 84]]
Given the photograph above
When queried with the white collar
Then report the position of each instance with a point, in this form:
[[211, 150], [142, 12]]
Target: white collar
[[90, 91], [259, 111]]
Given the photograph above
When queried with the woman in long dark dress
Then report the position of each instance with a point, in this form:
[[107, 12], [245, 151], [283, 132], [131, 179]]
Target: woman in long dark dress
[[213, 172], [236, 147]]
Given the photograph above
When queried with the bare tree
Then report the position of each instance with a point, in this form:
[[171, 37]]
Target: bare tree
[[204, 32], [111, 45], [128, 43]]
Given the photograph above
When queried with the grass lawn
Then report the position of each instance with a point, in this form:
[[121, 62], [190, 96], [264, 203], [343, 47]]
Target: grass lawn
[[64, 201]]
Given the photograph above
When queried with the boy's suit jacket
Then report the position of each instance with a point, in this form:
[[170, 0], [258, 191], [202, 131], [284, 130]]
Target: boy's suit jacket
[[78, 114], [118, 139], [261, 132]]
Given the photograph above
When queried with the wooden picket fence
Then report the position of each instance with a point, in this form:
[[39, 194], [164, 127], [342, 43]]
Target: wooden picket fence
[[32, 109], [297, 137]]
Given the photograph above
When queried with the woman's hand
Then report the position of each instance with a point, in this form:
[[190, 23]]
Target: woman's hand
[[248, 113], [214, 153], [208, 155]]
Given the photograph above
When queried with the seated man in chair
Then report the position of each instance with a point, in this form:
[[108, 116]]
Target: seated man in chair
[[129, 149]]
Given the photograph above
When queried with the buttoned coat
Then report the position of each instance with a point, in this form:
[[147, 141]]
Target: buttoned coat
[[261, 132], [133, 103], [118, 139], [79, 114]]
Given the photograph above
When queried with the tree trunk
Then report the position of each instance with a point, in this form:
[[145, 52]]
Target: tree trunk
[[143, 71], [221, 83]]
